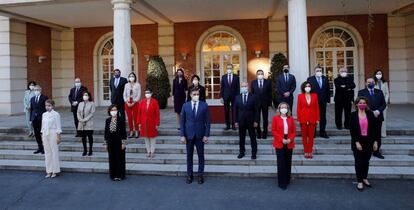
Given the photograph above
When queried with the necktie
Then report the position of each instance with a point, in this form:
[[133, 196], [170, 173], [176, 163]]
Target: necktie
[[229, 76], [194, 109], [37, 99], [260, 84], [320, 82], [76, 93], [371, 92], [286, 78], [244, 98]]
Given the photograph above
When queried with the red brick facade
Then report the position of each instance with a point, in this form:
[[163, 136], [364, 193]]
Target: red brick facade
[[39, 44]]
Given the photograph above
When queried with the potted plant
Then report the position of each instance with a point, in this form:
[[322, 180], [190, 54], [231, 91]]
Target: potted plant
[[158, 81], [276, 68]]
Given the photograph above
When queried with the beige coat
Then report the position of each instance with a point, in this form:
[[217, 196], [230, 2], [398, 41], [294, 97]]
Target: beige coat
[[86, 119], [136, 92]]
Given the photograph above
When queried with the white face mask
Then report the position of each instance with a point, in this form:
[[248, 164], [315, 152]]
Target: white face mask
[[243, 90], [77, 84], [308, 89], [132, 79], [229, 71], [195, 82], [148, 95], [318, 74], [283, 110], [343, 74], [195, 98], [114, 113], [378, 76], [260, 76], [31, 87], [37, 93], [85, 98]]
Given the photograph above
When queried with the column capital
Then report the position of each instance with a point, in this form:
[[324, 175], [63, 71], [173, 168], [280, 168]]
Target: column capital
[[121, 4]]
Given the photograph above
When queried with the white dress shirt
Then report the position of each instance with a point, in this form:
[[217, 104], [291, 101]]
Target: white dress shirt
[[285, 125], [51, 121]]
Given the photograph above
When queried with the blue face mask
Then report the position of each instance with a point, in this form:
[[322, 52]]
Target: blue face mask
[[243, 90], [117, 75], [371, 85]]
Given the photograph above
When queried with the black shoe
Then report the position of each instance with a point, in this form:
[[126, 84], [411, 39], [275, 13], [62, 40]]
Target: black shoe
[[233, 127], [131, 135], [347, 127], [42, 152], [200, 179], [264, 136], [367, 185], [324, 135], [37, 151], [189, 179], [90, 153], [78, 135], [240, 156], [227, 128], [283, 187], [339, 127], [378, 155], [253, 157], [84, 153]]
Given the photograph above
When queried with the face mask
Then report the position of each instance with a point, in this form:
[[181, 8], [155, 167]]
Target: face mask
[[49, 108], [362, 106], [31, 87], [260, 77], [37, 93], [371, 85], [114, 113], [343, 74], [243, 90], [196, 98], [318, 74], [85, 98], [286, 71], [307, 89], [195, 82], [117, 75], [132, 79], [378, 76], [179, 74], [283, 110], [229, 71], [147, 95], [77, 84]]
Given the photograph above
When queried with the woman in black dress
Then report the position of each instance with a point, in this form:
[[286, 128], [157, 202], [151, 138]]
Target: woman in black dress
[[196, 84], [115, 143], [179, 92]]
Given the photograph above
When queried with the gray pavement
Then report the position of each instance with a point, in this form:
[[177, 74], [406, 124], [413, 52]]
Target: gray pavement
[[29, 190]]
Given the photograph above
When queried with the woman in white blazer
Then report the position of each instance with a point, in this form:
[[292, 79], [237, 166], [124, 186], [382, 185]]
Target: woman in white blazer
[[51, 130], [382, 84], [86, 110], [132, 95]]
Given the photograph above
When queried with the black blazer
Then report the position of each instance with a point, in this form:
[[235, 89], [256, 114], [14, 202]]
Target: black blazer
[[246, 114], [323, 93], [229, 92], [79, 97], [202, 91], [376, 102], [117, 92], [37, 109], [283, 87], [120, 130], [344, 89], [263, 95], [374, 133]]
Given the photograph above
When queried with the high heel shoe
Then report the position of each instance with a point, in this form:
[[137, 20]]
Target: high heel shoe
[[360, 189], [131, 134], [367, 184]]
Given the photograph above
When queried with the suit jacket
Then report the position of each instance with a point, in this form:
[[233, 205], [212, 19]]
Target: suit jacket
[[195, 126], [264, 94], [202, 91], [374, 133], [308, 112], [344, 89], [376, 102], [37, 109], [149, 117], [120, 130], [229, 91], [73, 96], [283, 86], [117, 93], [278, 131], [248, 113], [323, 93]]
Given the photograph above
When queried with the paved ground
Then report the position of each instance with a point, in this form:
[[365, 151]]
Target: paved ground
[[29, 190]]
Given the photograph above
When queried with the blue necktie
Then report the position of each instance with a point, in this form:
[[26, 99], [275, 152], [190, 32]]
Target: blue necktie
[[194, 110]]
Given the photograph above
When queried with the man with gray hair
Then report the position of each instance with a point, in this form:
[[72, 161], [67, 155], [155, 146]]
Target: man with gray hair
[[344, 96], [37, 108], [75, 97]]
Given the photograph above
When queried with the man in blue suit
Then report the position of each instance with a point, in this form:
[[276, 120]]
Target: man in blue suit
[[321, 86], [286, 86], [377, 104], [194, 131], [37, 108], [230, 88], [262, 89]]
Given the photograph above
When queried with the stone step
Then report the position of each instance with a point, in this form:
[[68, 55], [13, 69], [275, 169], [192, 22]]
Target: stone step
[[212, 159], [332, 149], [376, 172], [228, 140]]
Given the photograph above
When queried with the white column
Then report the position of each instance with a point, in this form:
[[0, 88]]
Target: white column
[[122, 36], [298, 42]]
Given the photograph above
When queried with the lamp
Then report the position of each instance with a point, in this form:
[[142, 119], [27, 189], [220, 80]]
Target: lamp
[[147, 57], [184, 56], [41, 58], [258, 53]]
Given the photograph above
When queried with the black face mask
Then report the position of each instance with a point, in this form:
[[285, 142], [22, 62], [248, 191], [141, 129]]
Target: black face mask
[[286, 70]]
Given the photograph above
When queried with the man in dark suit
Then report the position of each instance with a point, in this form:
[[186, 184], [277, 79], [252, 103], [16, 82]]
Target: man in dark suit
[[230, 88], [377, 104], [75, 97], [286, 86], [117, 85], [321, 86], [247, 116], [262, 89], [194, 131], [37, 108], [344, 96]]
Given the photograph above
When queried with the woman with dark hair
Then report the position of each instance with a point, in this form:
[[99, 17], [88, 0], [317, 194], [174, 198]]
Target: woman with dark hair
[[196, 84], [149, 120], [86, 110], [364, 139], [28, 94], [308, 117], [132, 95], [382, 84], [115, 143], [179, 92]]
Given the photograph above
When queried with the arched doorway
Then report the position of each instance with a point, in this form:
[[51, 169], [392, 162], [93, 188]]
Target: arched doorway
[[335, 47]]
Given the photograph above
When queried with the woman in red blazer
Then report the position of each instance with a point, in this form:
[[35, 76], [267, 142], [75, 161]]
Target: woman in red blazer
[[149, 120], [284, 132], [308, 116]]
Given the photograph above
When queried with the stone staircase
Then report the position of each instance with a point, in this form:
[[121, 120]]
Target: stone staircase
[[332, 157]]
